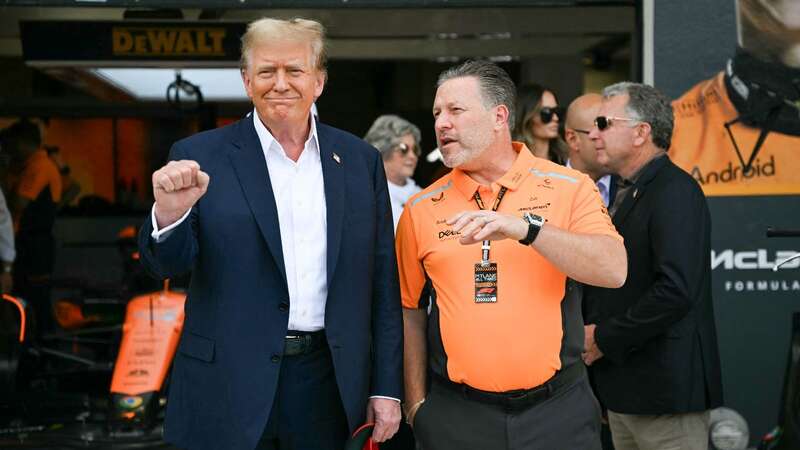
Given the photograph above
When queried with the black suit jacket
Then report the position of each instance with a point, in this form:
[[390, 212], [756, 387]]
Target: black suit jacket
[[226, 369], [657, 331]]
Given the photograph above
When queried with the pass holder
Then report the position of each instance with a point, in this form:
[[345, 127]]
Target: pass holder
[[486, 270], [486, 282]]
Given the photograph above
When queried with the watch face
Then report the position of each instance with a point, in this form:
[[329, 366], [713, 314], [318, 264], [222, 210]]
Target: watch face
[[533, 219]]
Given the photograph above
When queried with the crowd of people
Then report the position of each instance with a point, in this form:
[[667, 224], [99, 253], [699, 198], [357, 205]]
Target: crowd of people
[[541, 274]]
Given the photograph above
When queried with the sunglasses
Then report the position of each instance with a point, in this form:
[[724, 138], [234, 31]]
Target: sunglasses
[[604, 122], [404, 149], [547, 113]]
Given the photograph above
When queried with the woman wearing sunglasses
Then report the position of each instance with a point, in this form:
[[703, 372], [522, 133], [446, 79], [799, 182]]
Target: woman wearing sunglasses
[[398, 141], [537, 120]]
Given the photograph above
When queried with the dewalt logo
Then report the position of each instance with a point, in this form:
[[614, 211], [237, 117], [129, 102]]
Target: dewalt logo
[[158, 41]]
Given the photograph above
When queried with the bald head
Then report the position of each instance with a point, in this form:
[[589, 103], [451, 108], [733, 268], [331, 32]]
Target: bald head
[[582, 111], [580, 119]]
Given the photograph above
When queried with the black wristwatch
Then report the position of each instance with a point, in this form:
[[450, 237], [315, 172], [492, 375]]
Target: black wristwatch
[[534, 225]]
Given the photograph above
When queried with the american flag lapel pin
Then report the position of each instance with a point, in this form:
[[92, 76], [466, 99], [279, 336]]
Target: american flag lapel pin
[[337, 158]]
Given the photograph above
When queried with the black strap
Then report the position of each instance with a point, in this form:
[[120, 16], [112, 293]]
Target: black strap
[[772, 116], [487, 244]]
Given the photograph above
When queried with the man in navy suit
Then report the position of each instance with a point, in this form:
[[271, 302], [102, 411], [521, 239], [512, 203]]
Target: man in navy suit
[[293, 330]]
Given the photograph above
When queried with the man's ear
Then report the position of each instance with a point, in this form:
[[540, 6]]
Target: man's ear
[[642, 134], [322, 78], [571, 138], [501, 117], [246, 81]]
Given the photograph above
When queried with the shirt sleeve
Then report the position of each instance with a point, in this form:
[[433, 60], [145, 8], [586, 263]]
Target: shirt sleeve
[[160, 235], [409, 266], [589, 214]]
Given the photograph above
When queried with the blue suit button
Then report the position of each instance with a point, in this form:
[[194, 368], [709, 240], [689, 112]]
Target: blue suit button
[[283, 307], [275, 358]]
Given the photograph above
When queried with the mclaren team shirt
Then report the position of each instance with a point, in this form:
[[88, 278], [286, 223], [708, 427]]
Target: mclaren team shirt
[[702, 147], [515, 342]]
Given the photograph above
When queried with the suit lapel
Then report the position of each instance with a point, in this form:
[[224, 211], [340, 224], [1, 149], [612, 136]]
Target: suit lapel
[[612, 190], [334, 165], [251, 169], [638, 189]]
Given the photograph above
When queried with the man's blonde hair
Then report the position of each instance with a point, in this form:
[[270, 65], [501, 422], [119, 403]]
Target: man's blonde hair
[[301, 30]]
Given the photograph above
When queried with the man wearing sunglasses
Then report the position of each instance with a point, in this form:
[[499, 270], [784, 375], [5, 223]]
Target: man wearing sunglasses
[[652, 344], [582, 154]]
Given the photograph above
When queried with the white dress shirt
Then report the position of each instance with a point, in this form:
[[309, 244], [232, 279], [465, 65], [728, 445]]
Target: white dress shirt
[[603, 185], [299, 192], [398, 195]]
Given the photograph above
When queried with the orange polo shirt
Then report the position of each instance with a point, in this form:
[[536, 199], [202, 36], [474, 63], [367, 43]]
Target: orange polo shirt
[[515, 342], [702, 147], [40, 172]]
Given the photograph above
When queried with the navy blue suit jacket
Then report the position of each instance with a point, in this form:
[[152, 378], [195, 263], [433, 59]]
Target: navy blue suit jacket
[[226, 368]]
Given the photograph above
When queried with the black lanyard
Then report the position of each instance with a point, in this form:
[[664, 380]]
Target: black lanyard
[[486, 246]]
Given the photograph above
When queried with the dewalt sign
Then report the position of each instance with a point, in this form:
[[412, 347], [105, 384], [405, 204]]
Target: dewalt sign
[[131, 43], [159, 41]]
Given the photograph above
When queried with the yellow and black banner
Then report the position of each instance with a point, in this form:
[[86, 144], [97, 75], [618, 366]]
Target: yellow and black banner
[[126, 43]]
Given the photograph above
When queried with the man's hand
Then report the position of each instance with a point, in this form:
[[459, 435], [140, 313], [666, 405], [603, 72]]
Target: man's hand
[[177, 187], [475, 226], [386, 415], [591, 352]]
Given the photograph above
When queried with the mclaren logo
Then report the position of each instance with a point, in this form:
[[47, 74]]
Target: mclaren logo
[[439, 198], [760, 259]]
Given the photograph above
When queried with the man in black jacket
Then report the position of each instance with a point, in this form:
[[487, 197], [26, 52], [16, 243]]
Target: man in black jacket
[[652, 344]]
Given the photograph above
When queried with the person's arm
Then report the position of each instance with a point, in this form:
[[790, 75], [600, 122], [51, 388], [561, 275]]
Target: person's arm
[[415, 317], [387, 321], [69, 187], [679, 236], [590, 251], [177, 187], [594, 259], [415, 355]]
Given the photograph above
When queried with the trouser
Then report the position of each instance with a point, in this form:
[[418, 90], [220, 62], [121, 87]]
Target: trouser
[[570, 419], [660, 432], [307, 413]]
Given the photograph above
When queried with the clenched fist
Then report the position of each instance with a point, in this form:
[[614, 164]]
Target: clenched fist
[[177, 187]]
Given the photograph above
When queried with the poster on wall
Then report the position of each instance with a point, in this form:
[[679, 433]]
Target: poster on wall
[[738, 134]]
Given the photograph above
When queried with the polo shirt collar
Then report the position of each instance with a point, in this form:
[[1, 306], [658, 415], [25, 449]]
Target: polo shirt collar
[[510, 180]]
